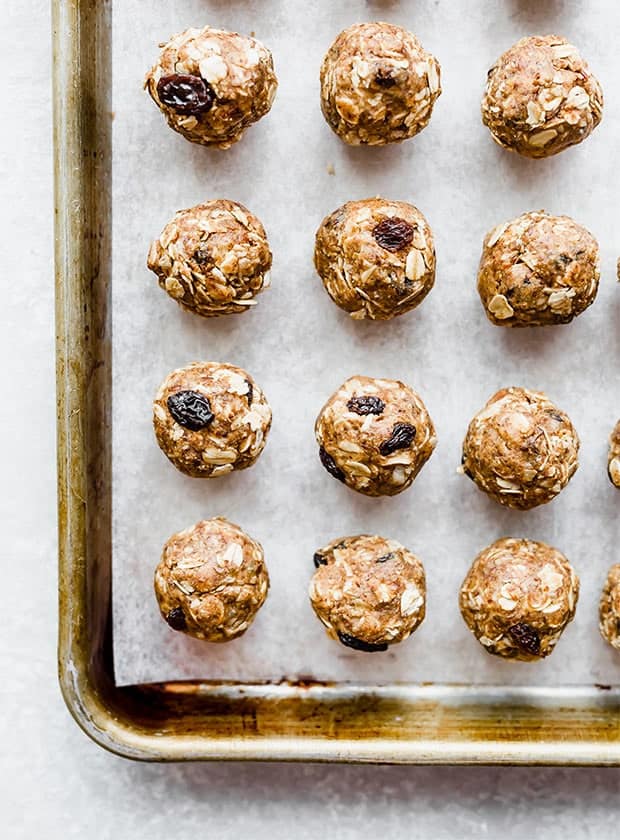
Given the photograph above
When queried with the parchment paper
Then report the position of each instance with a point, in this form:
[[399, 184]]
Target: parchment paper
[[300, 346]]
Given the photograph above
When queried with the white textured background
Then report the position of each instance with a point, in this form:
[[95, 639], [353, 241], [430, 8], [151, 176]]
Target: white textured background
[[53, 781]]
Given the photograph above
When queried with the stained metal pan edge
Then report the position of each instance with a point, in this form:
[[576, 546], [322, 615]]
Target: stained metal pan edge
[[431, 724]]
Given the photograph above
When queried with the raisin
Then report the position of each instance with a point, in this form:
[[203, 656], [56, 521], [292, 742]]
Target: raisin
[[185, 94], [525, 638], [393, 234], [202, 256], [384, 78], [366, 405], [319, 559], [401, 437], [465, 469], [385, 557], [358, 644], [176, 619], [556, 416], [250, 392], [190, 410], [330, 465]]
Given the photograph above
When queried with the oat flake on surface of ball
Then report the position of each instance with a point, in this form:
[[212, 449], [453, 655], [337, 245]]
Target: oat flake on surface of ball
[[211, 84], [520, 449], [369, 592], [378, 84], [609, 608], [211, 580], [538, 269], [376, 257], [210, 419], [375, 435], [212, 259], [541, 97], [518, 597]]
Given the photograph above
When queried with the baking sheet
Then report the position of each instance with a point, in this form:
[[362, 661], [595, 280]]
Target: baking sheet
[[300, 347]]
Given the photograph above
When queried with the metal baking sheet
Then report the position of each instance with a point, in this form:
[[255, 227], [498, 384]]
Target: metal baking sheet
[[547, 718]]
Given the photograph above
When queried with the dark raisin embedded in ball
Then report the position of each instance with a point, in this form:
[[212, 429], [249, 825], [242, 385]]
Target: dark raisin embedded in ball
[[366, 405], [402, 436], [319, 559], [384, 78], [250, 392], [185, 94], [330, 465], [203, 256], [466, 470], [176, 619], [358, 644], [385, 557], [525, 637], [190, 410], [393, 234]]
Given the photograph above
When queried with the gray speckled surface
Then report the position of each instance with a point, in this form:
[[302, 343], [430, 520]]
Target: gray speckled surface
[[53, 781]]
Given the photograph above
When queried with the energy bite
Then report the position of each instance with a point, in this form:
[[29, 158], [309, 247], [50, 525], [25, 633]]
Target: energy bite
[[613, 459], [537, 270], [213, 259], [211, 419], [211, 580], [378, 84], [520, 449], [518, 597], [541, 97], [609, 608], [369, 592], [375, 435], [211, 84], [376, 258]]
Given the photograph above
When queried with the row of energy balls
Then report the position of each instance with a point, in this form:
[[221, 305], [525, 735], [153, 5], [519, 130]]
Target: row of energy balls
[[378, 85], [376, 257], [374, 435]]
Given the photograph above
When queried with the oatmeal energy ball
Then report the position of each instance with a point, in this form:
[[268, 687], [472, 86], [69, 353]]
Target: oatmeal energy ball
[[376, 258], [520, 449], [541, 97], [613, 459], [378, 84], [518, 597], [211, 85], [211, 419], [369, 592], [212, 259], [375, 435], [538, 269], [609, 608], [211, 580]]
